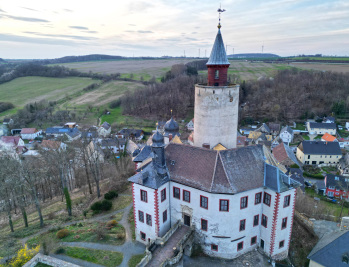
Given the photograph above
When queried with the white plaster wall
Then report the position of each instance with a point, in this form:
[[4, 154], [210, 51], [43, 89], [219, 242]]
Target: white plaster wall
[[269, 212], [165, 205], [286, 137], [215, 116], [146, 208]]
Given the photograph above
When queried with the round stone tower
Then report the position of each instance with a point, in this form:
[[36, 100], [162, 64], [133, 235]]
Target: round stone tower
[[216, 103]]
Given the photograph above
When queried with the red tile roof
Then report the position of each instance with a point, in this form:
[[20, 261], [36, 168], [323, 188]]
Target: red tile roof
[[10, 140], [28, 131], [328, 137], [51, 144]]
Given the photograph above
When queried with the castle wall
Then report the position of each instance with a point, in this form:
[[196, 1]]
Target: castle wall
[[216, 115]]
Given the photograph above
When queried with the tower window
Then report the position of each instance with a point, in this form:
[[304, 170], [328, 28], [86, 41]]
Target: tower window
[[216, 74]]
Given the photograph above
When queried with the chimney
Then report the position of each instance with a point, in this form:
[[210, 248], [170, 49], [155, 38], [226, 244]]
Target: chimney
[[206, 145]]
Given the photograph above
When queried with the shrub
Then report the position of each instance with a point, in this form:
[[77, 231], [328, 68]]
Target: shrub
[[295, 166], [110, 195], [316, 176], [62, 233], [60, 251], [120, 236], [24, 255], [100, 233], [103, 205], [115, 103], [111, 223]]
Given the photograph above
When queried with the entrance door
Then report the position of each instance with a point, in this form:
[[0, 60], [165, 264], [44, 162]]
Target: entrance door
[[186, 219], [262, 244]]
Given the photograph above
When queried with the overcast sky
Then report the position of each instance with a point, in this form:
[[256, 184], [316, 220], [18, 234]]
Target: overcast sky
[[51, 29]]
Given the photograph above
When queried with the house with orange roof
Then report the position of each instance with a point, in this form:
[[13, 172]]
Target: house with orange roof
[[328, 138]]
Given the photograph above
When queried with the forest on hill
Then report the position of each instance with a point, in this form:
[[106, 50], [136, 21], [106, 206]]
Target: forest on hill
[[290, 95]]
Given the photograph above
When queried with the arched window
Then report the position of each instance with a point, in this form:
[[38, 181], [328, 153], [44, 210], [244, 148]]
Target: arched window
[[216, 74]]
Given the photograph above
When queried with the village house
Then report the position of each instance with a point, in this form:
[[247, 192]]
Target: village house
[[343, 165], [286, 135], [56, 131], [190, 125], [114, 145], [30, 133], [328, 138], [331, 250], [241, 141], [284, 154], [297, 175], [143, 155], [321, 128], [328, 120], [8, 121], [319, 152], [14, 143], [336, 186], [104, 130], [264, 128], [133, 134], [70, 125], [274, 128], [236, 199], [89, 134], [53, 145], [73, 134]]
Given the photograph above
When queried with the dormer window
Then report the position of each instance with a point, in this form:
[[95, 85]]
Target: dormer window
[[216, 74]]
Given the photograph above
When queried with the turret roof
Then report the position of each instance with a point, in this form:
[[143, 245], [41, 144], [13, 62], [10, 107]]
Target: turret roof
[[218, 55]]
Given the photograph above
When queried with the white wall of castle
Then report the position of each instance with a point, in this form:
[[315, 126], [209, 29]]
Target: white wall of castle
[[216, 115]]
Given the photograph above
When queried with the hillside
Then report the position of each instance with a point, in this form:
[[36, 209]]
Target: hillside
[[253, 55], [2, 61]]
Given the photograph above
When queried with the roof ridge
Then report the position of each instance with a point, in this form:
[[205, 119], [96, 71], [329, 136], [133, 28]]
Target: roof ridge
[[214, 171], [225, 172]]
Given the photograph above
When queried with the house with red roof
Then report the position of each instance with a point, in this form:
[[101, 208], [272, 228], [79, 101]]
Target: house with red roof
[[30, 133], [328, 138]]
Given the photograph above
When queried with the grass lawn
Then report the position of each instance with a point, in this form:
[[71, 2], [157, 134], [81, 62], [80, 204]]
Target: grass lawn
[[102, 257], [24, 90], [135, 259], [121, 202], [306, 137], [300, 126]]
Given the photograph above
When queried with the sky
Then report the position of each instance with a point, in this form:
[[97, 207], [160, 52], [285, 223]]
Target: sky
[[53, 29]]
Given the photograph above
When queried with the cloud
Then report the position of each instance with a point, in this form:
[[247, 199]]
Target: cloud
[[140, 6], [30, 9], [25, 39], [26, 19], [68, 10], [132, 24], [2, 11], [77, 37], [194, 33], [90, 31], [144, 31], [78, 27]]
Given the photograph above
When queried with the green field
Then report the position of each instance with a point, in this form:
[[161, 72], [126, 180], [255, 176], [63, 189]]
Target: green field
[[321, 58], [24, 90]]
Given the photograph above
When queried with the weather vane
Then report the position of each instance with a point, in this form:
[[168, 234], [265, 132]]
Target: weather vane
[[220, 10]]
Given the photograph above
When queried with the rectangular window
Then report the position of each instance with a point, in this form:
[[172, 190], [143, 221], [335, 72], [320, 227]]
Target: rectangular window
[[141, 216], [216, 74], [143, 235], [240, 245], [258, 198], [176, 192], [163, 195], [223, 205], [287, 201], [255, 220], [144, 196], [242, 225], [281, 244], [149, 219], [243, 202], [253, 240], [264, 221], [266, 199], [186, 196], [214, 247], [203, 224], [284, 223], [203, 202], [164, 216]]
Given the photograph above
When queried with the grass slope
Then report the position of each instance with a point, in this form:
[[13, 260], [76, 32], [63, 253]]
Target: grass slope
[[29, 89]]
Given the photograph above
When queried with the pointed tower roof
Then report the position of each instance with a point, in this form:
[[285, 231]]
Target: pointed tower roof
[[218, 55]]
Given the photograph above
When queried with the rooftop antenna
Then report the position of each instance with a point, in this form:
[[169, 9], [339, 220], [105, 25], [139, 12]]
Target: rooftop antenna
[[220, 10]]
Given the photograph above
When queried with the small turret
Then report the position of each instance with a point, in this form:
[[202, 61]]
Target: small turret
[[158, 149]]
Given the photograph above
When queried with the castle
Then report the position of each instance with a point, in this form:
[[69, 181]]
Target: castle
[[236, 199]]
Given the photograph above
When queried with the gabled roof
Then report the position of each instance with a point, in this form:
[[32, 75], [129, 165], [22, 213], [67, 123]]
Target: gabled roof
[[320, 148], [274, 126], [297, 175], [254, 135], [338, 181], [57, 130], [331, 248], [89, 134], [176, 140], [51, 144], [73, 132], [219, 147], [28, 131], [276, 180], [109, 142], [319, 125], [13, 140], [135, 132], [106, 125], [218, 55], [283, 152], [263, 128], [287, 129], [328, 137]]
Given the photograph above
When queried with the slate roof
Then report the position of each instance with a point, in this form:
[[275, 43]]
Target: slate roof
[[106, 125], [274, 127], [171, 127], [287, 129], [218, 55], [109, 142], [331, 119], [320, 148], [57, 130], [275, 179], [144, 154], [264, 128], [297, 175], [28, 131], [136, 132], [89, 134], [283, 152], [320, 125], [74, 132], [330, 249], [339, 184]]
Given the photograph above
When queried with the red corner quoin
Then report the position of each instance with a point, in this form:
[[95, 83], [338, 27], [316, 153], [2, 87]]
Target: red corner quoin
[[222, 75], [156, 201], [274, 224]]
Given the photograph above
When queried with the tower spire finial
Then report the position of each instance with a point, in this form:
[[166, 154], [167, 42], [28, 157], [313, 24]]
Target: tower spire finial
[[220, 10]]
